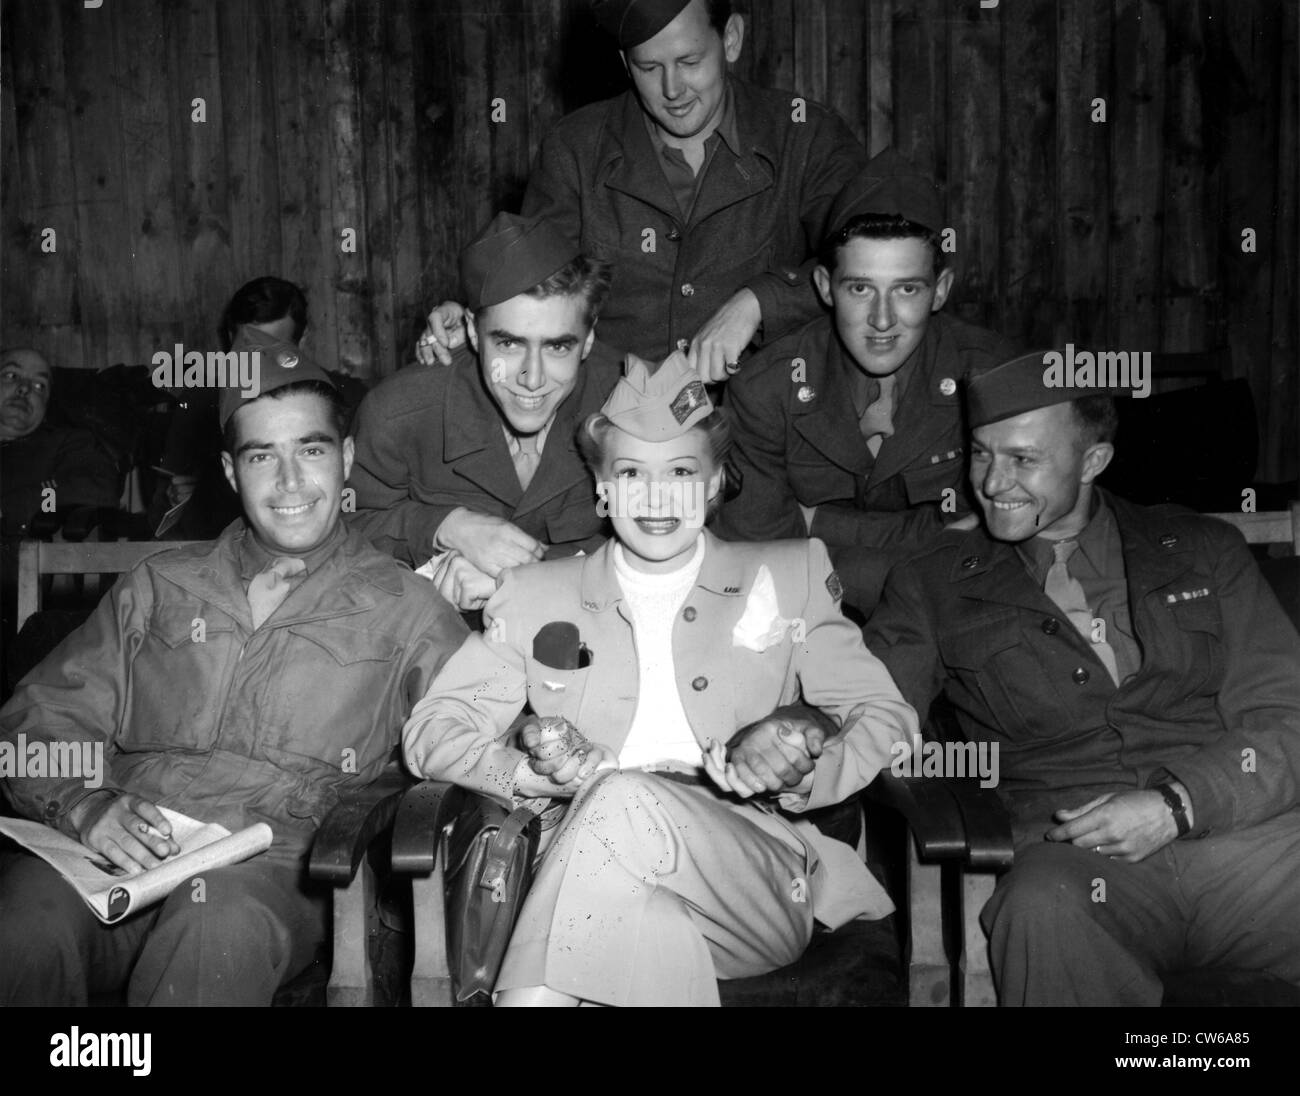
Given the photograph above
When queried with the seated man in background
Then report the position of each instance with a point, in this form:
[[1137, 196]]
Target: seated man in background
[[46, 468], [849, 429], [475, 464], [45, 471], [1142, 687], [250, 679], [707, 194]]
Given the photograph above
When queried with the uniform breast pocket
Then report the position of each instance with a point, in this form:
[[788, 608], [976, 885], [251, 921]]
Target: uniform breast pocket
[[180, 661], [816, 480], [928, 482], [1199, 635], [556, 692], [1002, 682], [336, 682]]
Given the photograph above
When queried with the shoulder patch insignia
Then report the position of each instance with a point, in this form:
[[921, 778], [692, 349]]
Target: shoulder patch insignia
[[834, 586]]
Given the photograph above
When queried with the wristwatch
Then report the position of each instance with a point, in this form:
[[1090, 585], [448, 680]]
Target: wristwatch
[[1175, 803]]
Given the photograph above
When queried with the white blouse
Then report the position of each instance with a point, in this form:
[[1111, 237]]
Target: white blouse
[[660, 730]]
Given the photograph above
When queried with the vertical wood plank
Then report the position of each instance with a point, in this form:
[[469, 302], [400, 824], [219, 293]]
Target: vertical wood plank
[[879, 89], [543, 28], [348, 278], [200, 188], [436, 34], [105, 243], [1281, 421], [1025, 276], [1083, 159], [1137, 174], [921, 86], [1186, 282], [848, 58], [770, 49], [508, 82], [404, 195], [811, 40], [248, 103], [473, 122], [1241, 100], [377, 150], [151, 106], [41, 300], [974, 142], [307, 241]]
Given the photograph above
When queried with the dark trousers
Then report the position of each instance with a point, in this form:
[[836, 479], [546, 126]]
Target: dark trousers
[[1070, 927], [253, 928]]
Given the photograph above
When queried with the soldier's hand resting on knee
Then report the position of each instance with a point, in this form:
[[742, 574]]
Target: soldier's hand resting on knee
[[1128, 826], [127, 830]]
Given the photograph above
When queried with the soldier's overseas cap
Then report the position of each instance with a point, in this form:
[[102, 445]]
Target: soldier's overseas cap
[[511, 255], [657, 404], [280, 362], [1020, 385], [632, 22], [888, 186]]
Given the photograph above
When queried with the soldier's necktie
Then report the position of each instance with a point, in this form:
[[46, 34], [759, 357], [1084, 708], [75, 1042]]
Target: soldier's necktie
[[526, 459], [1066, 590], [271, 585], [877, 422]]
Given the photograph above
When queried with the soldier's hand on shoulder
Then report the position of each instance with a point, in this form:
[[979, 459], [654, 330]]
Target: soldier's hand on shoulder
[[444, 331], [463, 584], [717, 346], [490, 543]]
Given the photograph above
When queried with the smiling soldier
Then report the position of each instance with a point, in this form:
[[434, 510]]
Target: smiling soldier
[[849, 429], [707, 194], [471, 470], [249, 679], [1141, 683]]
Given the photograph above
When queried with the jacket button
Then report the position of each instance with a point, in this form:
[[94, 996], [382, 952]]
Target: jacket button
[[688, 613], [1168, 540], [1080, 676], [1051, 626], [688, 290], [51, 811], [970, 561], [700, 684], [673, 234], [683, 345]]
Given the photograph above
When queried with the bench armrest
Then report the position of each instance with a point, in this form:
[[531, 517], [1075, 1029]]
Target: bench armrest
[[353, 824], [426, 810], [951, 819]]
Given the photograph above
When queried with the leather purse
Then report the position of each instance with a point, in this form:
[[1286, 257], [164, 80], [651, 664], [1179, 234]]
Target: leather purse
[[489, 869]]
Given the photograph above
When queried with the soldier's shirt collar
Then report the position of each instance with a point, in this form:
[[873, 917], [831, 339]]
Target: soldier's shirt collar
[[726, 129], [254, 556], [1099, 544]]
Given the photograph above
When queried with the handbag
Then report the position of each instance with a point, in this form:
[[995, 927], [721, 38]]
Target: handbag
[[489, 869]]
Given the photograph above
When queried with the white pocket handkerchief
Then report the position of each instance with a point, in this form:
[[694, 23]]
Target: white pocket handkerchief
[[762, 625]]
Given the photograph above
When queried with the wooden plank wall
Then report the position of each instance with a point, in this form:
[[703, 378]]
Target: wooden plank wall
[[376, 116]]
